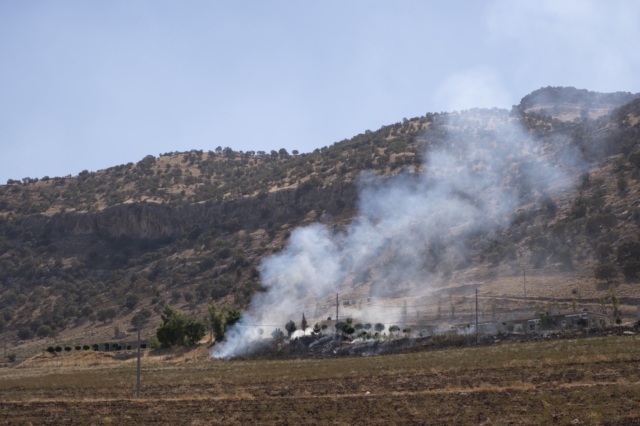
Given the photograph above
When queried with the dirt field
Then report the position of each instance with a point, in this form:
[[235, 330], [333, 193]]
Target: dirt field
[[585, 381]]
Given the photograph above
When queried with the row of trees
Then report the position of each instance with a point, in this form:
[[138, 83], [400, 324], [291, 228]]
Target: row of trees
[[345, 327]]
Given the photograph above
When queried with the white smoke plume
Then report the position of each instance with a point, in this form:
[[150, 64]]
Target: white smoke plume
[[406, 225]]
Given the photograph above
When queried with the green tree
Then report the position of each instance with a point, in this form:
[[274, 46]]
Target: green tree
[[290, 327], [622, 184], [615, 301], [43, 331], [233, 316], [194, 331], [348, 329], [379, 327], [303, 324], [606, 272], [102, 315], [132, 301], [141, 318], [111, 313], [172, 330], [603, 250], [631, 268], [218, 320], [24, 333]]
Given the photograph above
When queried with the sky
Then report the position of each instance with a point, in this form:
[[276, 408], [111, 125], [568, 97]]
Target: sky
[[90, 85]]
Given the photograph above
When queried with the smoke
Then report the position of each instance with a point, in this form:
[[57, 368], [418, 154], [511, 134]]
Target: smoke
[[411, 229]]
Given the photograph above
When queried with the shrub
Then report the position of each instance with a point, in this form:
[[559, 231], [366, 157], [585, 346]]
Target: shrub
[[95, 347], [67, 348], [24, 333], [50, 349], [141, 318], [58, 348], [631, 268], [132, 301], [106, 347], [11, 357], [622, 184], [628, 249], [78, 348], [111, 313], [154, 343], [43, 331], [606, 272], [86, 347], [603, 250]]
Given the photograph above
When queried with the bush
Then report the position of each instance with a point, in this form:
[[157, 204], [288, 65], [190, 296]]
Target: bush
[[58, 348], [603, 250], [631, 268], [24, 333], [95, 347], [132, 301], [622, 184], [141, 318], [50, 349], [629, 249], [43, 331], [78, 348], [154, 343], [86, 347], [606, 272], [11, 357], [67, 348]]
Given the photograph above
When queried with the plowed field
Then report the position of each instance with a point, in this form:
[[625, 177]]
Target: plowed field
[[585, 381]]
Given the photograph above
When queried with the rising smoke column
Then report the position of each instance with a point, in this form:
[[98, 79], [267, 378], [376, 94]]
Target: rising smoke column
[[462, 190]]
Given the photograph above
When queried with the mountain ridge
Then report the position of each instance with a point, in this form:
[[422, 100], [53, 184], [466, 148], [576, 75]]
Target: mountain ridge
[[192, 227]]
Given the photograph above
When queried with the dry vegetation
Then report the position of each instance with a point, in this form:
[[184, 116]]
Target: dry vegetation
[[58, 281], [587, 381]]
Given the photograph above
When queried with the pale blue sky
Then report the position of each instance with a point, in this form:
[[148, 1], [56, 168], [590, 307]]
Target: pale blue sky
[[90, 84]]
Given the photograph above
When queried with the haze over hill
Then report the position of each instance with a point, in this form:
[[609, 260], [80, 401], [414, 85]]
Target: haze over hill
[[409, 212]]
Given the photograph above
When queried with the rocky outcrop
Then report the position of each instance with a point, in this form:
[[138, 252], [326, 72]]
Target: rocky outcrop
[[152, 220]]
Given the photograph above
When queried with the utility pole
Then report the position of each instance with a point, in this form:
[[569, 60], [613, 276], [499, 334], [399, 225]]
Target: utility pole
[[138, 373], [476, 316]]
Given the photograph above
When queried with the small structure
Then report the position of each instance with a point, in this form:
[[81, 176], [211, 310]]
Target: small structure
[[554, 320]]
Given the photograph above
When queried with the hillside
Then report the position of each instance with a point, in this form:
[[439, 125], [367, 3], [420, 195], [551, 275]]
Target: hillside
[[188, 228]]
